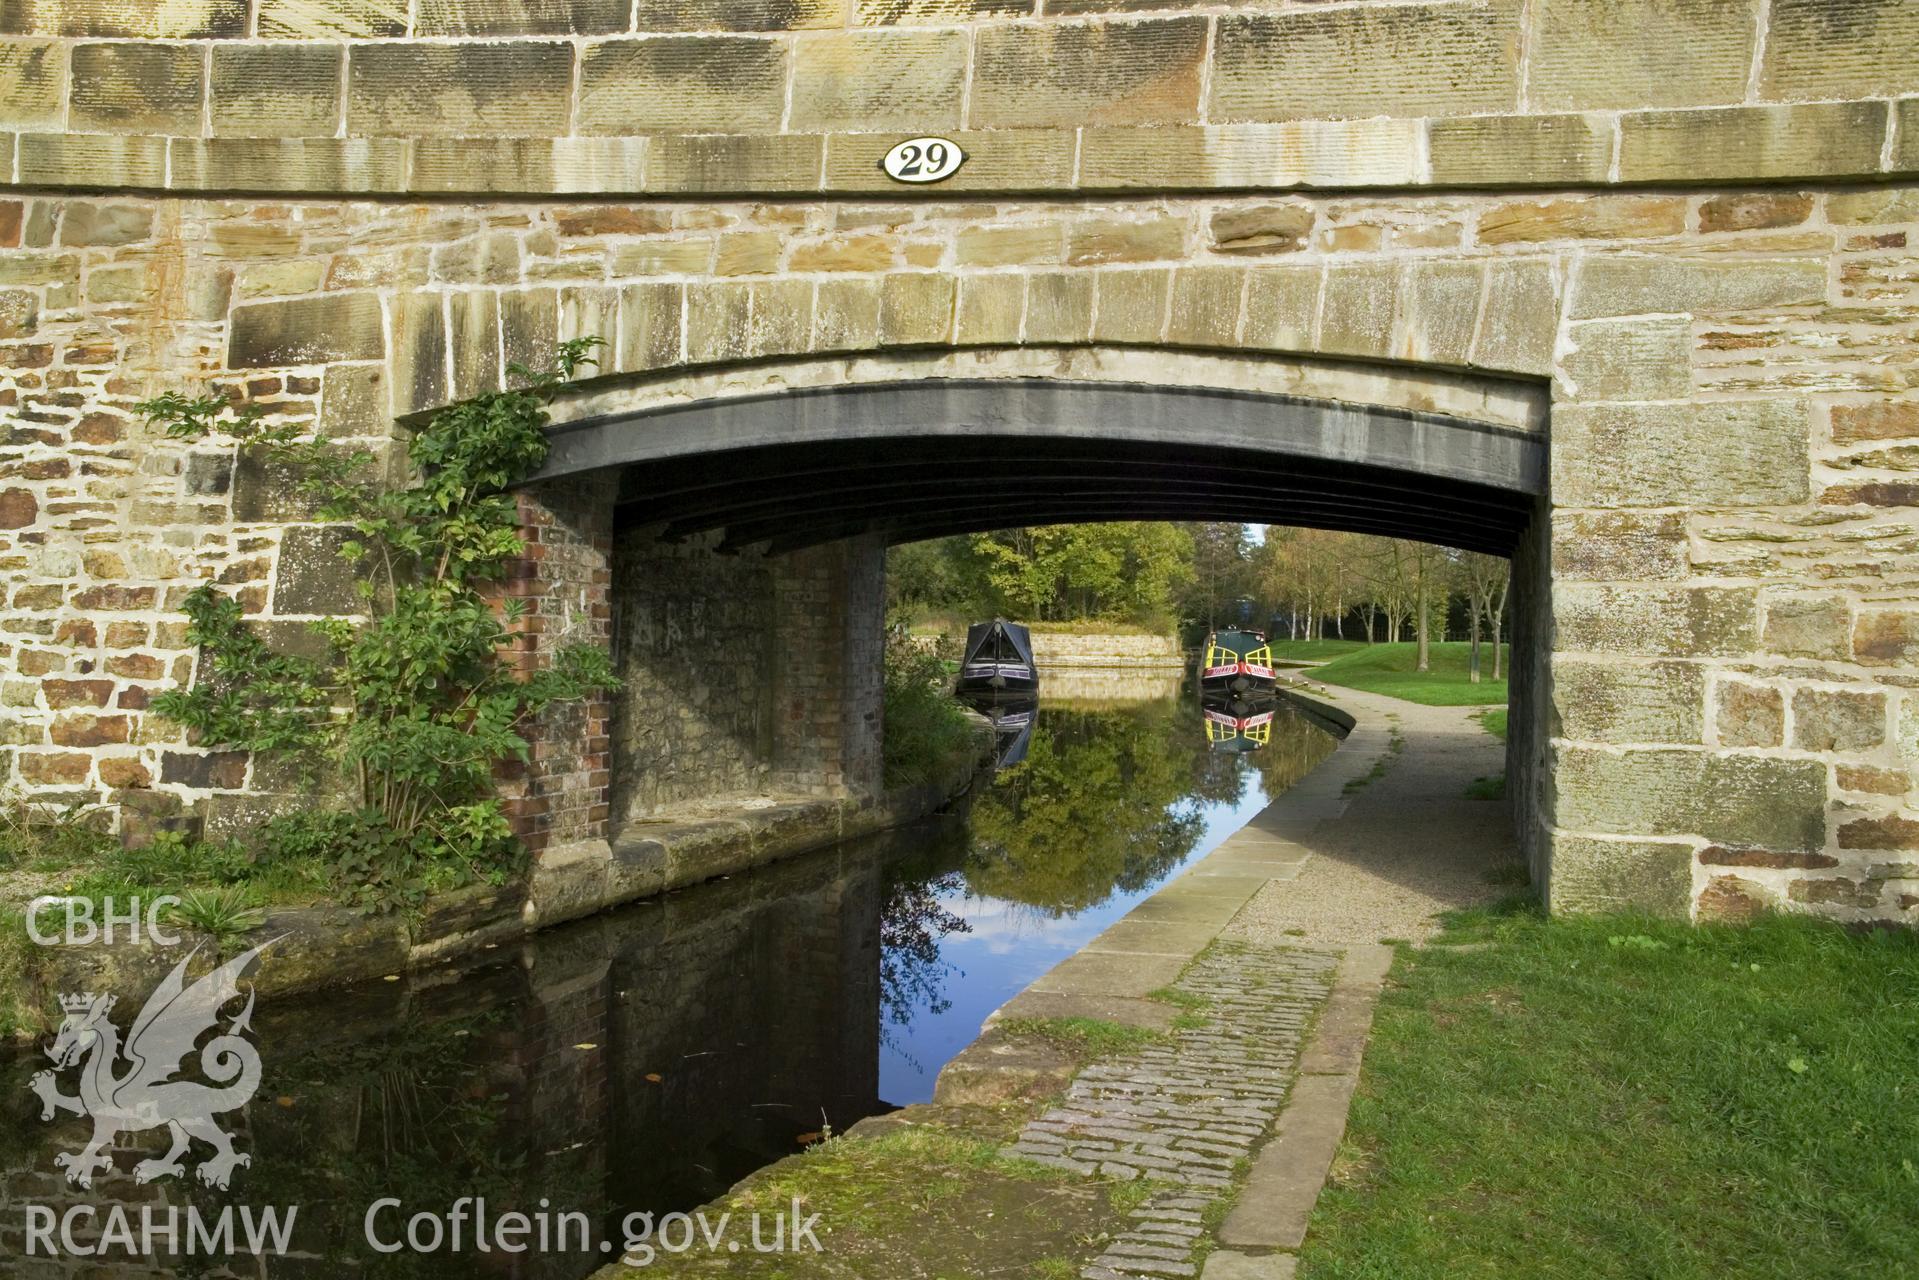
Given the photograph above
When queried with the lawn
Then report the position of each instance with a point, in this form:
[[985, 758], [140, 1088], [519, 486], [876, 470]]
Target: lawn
[[1313, 650], [1617, 1097], [1388, 669]]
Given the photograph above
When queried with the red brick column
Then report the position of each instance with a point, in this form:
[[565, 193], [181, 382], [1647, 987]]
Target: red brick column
[[559, 796]]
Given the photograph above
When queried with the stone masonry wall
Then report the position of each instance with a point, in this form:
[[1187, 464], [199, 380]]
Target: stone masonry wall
[[1711, 269], [1065, 648], [744, 674]]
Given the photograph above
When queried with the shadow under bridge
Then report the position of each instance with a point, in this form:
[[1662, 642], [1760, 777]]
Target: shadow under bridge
[[928, 458]]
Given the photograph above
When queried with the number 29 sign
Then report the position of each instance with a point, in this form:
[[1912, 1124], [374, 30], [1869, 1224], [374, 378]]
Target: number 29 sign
[[923, 160]]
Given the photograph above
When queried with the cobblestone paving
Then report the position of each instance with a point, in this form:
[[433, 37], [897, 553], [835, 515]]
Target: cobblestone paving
[[1186, 1111]]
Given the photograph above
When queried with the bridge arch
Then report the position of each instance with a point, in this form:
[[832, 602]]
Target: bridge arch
[[919, 445]]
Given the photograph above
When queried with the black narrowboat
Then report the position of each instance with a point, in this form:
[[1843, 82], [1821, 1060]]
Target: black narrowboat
[[1236, 662], [999, 660]]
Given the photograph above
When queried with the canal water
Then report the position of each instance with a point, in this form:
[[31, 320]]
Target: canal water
[[646, 1059]]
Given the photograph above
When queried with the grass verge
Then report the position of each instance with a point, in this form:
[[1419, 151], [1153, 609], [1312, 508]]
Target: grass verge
[[1086, 1039], [1614, 1097], [1388, 669], [1314, 650], [1492, 787]]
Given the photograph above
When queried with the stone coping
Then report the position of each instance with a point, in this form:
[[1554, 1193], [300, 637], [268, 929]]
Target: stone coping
[[1857, 140], [319, 947]]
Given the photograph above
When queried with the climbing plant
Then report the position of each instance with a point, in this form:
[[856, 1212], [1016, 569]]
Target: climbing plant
[[413, 695]]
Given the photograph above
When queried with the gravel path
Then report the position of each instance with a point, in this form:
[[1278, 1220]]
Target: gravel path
[[1408, 845]]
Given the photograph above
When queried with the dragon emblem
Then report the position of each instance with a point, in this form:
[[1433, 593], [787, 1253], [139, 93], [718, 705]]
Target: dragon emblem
[[129, 1087]]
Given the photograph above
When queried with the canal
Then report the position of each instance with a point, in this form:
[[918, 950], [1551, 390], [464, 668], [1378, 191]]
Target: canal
[[646, 1059]]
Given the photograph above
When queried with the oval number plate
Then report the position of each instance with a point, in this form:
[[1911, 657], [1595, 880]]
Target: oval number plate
[[923, 160]]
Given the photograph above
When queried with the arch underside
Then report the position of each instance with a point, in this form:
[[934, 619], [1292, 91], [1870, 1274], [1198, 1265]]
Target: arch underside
[[926, 459]]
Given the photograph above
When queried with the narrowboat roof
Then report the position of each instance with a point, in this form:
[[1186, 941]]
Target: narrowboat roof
[[980, 634], [1239, 641]]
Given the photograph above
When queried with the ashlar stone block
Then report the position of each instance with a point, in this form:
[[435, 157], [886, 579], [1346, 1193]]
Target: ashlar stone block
[[872, 80], [1808, 627], [1591, 873], [1659, 702], [136, 87], [316, 330], [1840, 49], [1655, 621], [332, 19], [1132, 305], [1027, 74], [1836, 139], [1627, 285], [1597, 54], [1641, 359], [520, 88], [1748, 715], [521, 17], [1758, 801], [131, 19], [276, 90], [33, 83], [1653, 455], [1396, 60]]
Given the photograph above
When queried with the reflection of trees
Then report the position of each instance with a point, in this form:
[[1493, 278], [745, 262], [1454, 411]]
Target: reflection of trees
[[1105, 801], [1298, 745], [912, 923]]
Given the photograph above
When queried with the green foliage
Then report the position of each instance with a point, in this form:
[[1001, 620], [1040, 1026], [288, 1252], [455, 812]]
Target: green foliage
[[1127, 572], [927, 734], [1625, 1097], [224, 912], [413, 698], [39, 835], [1388, 669], [1494, 722]]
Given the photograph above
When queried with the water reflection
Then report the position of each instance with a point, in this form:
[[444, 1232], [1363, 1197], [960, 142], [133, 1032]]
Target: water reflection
[[647, 1059], [1109, 801]]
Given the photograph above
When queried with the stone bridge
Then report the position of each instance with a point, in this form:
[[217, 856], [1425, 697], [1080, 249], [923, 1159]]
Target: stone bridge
[[1619, 288]]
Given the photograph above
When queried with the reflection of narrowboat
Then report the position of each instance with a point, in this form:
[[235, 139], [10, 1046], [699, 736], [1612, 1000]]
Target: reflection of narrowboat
[[999, 659], [1012, 727], [1238, 727], [1236, 662]]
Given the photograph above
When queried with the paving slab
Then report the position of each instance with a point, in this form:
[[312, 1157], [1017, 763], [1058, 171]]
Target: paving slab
[[1225, 1264]]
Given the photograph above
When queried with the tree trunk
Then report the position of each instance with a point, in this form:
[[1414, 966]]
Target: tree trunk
[[1472, 607], [1423, 622]]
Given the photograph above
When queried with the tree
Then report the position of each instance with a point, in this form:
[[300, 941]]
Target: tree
[[1220, 572], [1487, 579]]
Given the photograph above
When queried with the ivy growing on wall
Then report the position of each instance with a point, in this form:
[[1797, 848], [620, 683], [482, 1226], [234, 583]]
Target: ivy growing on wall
[[413, 696]]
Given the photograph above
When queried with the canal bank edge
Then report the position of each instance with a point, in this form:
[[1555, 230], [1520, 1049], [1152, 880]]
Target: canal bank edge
[[317, 947], [1114, 976]]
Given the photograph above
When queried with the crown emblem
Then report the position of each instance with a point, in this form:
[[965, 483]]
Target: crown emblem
[[81, 1001]]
